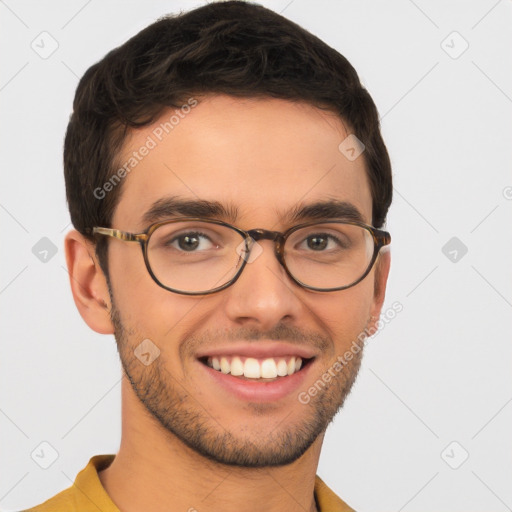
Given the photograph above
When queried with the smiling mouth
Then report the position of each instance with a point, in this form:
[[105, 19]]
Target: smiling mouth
[[259, 369]]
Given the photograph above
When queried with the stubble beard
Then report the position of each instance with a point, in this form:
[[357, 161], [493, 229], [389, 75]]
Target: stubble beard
[[179, 413]]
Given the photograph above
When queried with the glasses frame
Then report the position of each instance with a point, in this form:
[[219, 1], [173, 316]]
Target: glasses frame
[[380, 237]]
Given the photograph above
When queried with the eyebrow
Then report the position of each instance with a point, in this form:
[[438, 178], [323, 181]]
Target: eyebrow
[[174, 206], [170, 207], [325, 210]]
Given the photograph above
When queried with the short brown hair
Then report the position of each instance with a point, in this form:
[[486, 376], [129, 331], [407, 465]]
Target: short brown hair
[[236, 48]]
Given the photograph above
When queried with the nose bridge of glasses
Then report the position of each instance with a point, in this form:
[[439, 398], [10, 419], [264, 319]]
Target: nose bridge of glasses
[[274, 236], [264, 234]]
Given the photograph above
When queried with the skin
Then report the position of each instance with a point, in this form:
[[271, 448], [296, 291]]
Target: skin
[[227, 150]]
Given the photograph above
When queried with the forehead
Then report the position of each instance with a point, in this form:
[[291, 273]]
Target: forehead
[[260, 157]]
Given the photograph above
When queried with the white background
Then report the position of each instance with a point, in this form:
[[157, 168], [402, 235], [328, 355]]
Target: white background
[[439, 372]]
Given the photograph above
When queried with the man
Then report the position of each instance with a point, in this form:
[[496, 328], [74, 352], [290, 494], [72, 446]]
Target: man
[[227, 180]]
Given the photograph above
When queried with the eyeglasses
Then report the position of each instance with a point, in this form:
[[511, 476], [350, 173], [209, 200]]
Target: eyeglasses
[[195, 256]]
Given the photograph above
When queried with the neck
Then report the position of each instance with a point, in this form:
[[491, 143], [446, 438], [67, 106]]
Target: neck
[[154, 470]]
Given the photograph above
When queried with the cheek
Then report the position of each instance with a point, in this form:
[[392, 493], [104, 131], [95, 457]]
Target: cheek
[[145, 307], [344, 314], [149, 311]]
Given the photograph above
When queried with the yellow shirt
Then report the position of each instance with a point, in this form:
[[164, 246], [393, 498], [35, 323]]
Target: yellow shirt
[[88, 495]]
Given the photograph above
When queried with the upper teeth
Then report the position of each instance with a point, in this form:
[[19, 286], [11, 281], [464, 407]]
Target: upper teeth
[[255, 368]]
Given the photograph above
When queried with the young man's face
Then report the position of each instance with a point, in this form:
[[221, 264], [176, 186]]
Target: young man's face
[[264, 158]]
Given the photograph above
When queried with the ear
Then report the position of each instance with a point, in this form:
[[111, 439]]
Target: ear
[[88, 283], [382, 266]]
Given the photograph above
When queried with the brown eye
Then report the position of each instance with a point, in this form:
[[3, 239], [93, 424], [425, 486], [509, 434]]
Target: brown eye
[[189, 242], [317, 242]]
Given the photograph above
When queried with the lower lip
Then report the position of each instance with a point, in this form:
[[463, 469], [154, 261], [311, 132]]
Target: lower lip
[[258, 391]]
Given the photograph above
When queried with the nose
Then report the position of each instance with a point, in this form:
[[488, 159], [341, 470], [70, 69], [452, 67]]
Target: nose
[[263, 295]]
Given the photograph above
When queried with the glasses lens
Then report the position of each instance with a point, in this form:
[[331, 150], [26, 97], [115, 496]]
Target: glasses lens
[[194, 256], [329, 255]]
